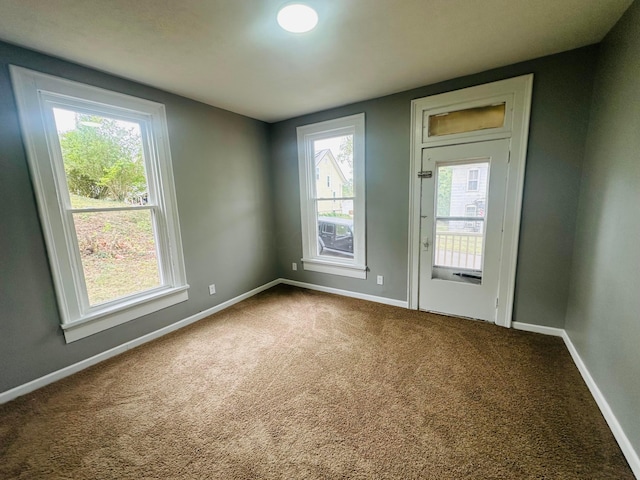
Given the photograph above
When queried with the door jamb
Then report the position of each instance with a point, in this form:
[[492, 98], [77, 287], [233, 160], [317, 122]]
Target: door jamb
[[519, 91]]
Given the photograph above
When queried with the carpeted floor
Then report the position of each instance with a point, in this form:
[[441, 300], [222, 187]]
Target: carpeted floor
[[299, 384]]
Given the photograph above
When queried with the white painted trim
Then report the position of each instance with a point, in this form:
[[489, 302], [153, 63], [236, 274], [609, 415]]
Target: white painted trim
[[91, 325], [413, 264], [306, 135], [623, 441], [36, 96], [515, 190], [334, 268], [517, 91], [345, 293], [625, 445], [530, 327], [76, 367]]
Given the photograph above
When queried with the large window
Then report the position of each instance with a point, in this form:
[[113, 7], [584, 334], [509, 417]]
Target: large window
[[102, 172], [332, 210]]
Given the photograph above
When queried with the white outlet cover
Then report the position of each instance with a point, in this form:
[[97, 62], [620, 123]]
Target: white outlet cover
[[212, 289], [294, 266], [380, 280]]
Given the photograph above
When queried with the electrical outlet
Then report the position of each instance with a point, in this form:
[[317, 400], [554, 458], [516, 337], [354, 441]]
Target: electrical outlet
[[380, 280], [294, 266], [212, 289]]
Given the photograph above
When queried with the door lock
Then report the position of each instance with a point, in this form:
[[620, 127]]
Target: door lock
[[425, 243]]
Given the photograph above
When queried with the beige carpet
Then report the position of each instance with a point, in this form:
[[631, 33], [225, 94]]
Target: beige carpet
[[299, 384]]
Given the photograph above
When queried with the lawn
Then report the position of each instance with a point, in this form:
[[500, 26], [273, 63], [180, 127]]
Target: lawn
[[118, 250]]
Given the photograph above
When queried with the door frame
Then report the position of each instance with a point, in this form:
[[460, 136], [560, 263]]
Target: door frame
[[516, 93]]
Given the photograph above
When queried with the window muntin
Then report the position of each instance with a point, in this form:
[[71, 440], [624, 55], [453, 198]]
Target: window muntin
[[333, 209], [88, 232]]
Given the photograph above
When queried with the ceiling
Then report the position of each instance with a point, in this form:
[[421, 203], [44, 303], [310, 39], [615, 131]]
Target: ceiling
[[232, 54]]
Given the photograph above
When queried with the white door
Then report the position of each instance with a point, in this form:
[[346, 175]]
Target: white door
[[462, 208]]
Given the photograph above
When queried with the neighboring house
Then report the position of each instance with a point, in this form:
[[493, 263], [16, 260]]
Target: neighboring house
[[330, 181], [468, 193]]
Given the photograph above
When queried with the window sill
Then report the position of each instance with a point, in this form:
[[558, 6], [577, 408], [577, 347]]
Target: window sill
[[335, 268], [112, 316]]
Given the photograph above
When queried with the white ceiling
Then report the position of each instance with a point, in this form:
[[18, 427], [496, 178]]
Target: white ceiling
[[232, 54]]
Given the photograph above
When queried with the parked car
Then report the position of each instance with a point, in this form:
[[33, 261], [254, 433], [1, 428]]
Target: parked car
[[335, 236]]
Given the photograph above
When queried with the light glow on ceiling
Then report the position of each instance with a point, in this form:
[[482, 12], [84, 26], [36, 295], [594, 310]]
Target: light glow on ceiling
[[297, 18]]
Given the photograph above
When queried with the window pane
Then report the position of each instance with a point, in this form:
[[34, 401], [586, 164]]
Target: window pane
[[335, 228], [468, 120], [459, 244], [118, 252], [103, 158], [460, 205], [334, 167]]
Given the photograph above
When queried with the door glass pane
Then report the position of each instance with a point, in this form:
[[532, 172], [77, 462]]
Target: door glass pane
[[469, 120], [335, 228], [461, 201], [118, 252], [103, 159], [334, 167]]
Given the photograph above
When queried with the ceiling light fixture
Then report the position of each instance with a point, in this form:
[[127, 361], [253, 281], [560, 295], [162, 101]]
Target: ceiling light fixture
[[297, 18]]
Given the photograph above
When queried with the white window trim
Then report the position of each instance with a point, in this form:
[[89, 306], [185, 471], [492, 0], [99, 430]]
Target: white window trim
[[35, 93], [307, 134], [517, 93]]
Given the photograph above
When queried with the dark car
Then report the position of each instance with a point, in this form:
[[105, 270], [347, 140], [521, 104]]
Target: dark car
[[335, 236]]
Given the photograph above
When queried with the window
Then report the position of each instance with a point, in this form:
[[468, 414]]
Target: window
[[333, 220], [101, 169], [468, 120], [472, 180], [470, 211]]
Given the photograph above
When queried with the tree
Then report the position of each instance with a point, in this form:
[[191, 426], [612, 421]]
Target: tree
[[103, 159], [345, 160], [345, 155], [444, 191]]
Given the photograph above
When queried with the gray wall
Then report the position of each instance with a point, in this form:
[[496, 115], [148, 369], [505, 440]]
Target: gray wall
[[222, 180], [560, 110], [603, 314]]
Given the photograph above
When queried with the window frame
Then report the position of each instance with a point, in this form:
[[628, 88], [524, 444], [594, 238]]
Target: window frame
[[36, 95], [306, 136]]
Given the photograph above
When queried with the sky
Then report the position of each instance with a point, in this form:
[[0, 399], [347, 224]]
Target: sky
[[333, 144]]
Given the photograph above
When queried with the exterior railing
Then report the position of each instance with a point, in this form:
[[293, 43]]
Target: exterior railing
[[458, 250]]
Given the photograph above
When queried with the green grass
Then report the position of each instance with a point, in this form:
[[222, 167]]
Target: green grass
[[117, 249]]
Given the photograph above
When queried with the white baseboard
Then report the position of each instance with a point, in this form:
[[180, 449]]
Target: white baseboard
[[530, 327], [625, 445], [346, 293], [623, 441], [76, 367]]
